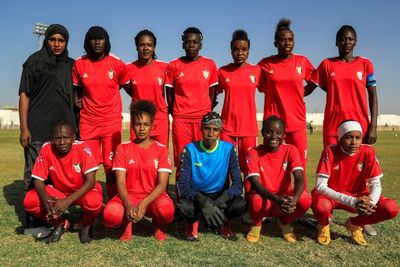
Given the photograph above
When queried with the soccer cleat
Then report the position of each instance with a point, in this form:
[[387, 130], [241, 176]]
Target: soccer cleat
[[369, 230], [226, 231], [127, 234], [86, 234], [253, 236], [287, 232], [324, 234], [356, 232], [58, 231], [192, 230], [159, 231]]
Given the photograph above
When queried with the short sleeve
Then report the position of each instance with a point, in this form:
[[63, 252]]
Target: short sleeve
[[213, 81], [319, 75], [119, 159], [27, 82], [164, 164], [309, 69], [324, 165], [88, 161], [253, 165], [170, 76], [295, 162], [123, 73], [40, 169], [75, 74], [220, 88]]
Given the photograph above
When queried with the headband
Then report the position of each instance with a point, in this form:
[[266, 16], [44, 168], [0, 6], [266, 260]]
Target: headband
[[348, 126], [212, 118]]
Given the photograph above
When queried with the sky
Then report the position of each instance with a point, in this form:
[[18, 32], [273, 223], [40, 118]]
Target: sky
[[314, 23]]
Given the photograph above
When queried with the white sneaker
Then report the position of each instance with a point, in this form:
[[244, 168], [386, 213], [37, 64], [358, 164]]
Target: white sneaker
[[38, 232], [369, 230]]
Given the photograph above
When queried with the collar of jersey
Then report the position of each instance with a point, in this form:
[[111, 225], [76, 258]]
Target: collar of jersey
[[209, 150]]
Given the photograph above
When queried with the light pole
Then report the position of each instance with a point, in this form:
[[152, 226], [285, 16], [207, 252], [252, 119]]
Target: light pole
[[40, 29]]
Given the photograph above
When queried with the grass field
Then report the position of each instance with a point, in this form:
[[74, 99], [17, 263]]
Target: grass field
[[19, 250]]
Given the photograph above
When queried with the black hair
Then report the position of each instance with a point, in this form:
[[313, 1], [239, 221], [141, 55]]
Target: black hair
[[192, 30], [240, 35], [144, 33], [272, 119], [57, 126], [96, 32], [142, 106], [343, 29], [283, 25]]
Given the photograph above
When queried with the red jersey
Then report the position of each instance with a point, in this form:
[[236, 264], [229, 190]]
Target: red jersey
[[101, 82], [191, 82], [282, 82], [274, 168], [147, 83], [239, 114], [141, 165], [65, 171], [349, 173], [346, 95]]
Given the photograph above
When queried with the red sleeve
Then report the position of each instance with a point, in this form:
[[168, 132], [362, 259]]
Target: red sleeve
[[262, 83], [220, 89], [119, 159], [170, 75], [213, 74], [164, 163], [319, 75], [253, 166], [88, 162], [309, 69], [369, 68], [325, 165], [123, 73], [374, 167], [41, 167], [294, 159], [75, 74]]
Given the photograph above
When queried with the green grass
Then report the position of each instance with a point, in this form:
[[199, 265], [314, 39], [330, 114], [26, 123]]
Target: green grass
[[19, 250]]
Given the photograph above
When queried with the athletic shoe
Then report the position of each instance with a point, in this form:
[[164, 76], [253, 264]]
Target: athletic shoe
[[324, 234], [369, 230], [127, 234], [58, 231], [86, 234], [38, 232], [226, 231], [159, 232], [287, 232], [253, 236], [192, 230], [356, 232]]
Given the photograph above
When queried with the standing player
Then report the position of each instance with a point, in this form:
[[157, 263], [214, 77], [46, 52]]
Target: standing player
[[147, 75], [347, 79], [99, 76], [190, 83], [270, 167], [282, 81], [349, 178], [239, 81], [71, 167], [142, 167]]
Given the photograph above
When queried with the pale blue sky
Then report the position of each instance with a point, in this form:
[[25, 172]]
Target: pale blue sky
[[314, 22]]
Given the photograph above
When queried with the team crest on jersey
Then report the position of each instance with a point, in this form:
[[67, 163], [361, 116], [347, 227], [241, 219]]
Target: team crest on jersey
[[88, 151], [160, 81], [227, 80], [253, 78], [110, 74], [206, 73], [285, 165], [360, 166], [155, 163], [299, 69], [77, 167], [111, 155], [359, 75], [85, 75]]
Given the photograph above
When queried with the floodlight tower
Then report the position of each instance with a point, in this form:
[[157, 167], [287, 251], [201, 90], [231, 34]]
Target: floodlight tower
[[40, 29]]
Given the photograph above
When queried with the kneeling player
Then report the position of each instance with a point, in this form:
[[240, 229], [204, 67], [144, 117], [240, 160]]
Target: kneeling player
[[270, 166], [71, 168], [142, 168], [348, 178]]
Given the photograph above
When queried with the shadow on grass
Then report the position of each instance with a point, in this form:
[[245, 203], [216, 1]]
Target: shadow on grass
[[14, 195]]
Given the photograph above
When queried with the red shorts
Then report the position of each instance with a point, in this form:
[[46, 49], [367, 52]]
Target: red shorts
[[299, 140], [184, 133], [242, 144], [103, 140]]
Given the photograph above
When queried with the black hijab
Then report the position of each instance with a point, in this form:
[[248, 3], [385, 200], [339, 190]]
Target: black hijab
[[45, 60]]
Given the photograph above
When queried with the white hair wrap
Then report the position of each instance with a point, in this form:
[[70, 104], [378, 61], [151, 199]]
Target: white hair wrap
[[348, 126]]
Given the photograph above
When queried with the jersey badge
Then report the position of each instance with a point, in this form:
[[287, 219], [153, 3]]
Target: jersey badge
[[285, 165], [206, 73], [198, 164], [131, 161], [155, 163], [88, 151], [253, 78], [299, 69], [110, 74], [336, 168], [360, 166], [77, 167], [85, 75], [227, 80], [359, 75], [181, 75], [160, 81]]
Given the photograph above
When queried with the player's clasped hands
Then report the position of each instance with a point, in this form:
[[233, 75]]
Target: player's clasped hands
[[287, 205], [364, 206]]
